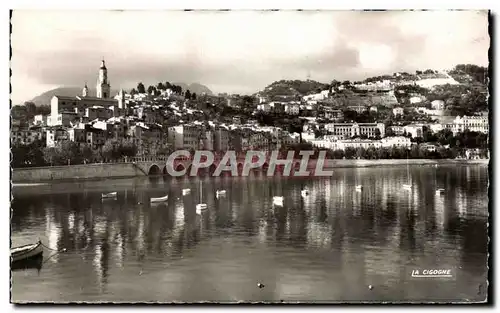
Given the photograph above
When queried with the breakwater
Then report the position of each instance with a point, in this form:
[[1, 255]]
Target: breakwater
[[119, 170]]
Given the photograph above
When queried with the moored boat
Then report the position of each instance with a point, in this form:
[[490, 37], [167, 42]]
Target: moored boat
[[161, 199], [278, 201], [26, 252], [110, 195]]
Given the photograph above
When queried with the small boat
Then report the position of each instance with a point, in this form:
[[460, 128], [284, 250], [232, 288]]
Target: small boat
[[439, 190], [26, 252], [278, 200], [220, 193], [201, 206], [161, 199], [359, 187], [186, 191], [110, 195], [407, 186], [304, 192]]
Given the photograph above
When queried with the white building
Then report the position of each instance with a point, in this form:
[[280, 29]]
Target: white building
[[79, 104], [265, 107], [40, 120], [398, 141], [472, 123], [292, 109], [436, 127], [348, 130], [416, 130], [397, 111], [437, 105]]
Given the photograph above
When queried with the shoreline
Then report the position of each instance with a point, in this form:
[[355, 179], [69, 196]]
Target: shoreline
[[29, 177]]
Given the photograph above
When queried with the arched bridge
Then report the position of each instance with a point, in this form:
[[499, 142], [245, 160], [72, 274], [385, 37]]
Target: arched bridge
[[153, 166]]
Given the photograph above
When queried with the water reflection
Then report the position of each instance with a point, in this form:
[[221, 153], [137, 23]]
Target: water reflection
[[336, 232]]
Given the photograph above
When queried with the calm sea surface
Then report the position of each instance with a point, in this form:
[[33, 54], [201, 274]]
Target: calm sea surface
[[329, 246]]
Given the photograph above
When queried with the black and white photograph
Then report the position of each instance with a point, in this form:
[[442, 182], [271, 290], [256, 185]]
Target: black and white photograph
[[250, 156]]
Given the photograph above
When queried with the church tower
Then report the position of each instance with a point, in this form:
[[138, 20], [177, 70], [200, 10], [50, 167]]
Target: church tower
[[103, 87]]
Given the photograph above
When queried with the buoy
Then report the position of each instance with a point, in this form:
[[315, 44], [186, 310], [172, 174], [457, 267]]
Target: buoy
[[370, 287], [260, 285]]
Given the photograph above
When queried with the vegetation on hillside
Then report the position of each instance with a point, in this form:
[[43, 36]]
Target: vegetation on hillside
[[295, 88]]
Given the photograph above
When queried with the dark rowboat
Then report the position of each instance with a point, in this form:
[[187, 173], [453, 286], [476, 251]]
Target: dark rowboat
[[26, 252]]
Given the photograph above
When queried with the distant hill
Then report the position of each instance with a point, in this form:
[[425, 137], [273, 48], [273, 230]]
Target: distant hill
[[195, 87], [45, 97], [293, 88]]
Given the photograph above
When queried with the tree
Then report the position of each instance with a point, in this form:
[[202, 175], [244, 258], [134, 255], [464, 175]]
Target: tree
[[30, 109], [160, 86], [63, 153], [27, 155], [151, 90], [349, 152], [193, 96], [187, 95], [133, 91], [141, 88]]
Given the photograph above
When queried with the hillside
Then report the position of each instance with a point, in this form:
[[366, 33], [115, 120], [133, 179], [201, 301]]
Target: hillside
[[195, 87], [293, 88], [45, 97]]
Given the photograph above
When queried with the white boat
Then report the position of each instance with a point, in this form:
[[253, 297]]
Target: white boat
[[359, 187], [220, 193], [161, 199], [201, 206], [439, 190], [407, 186], [304, 192], [278, 200], [26, 252], [186, 191], [110, 195]]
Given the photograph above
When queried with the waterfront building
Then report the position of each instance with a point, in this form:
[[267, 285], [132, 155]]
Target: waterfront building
[[184, 136], [349, 130], [397, 141], [472, 123], [27, 136], [55, 135], [221, 139]]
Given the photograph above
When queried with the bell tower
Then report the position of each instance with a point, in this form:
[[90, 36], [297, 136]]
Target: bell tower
[[103, 88]]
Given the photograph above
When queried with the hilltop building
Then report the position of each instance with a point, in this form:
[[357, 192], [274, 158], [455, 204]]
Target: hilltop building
[[65, 110]]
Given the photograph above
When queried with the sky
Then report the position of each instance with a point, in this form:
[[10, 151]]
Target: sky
[[235, 51]]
